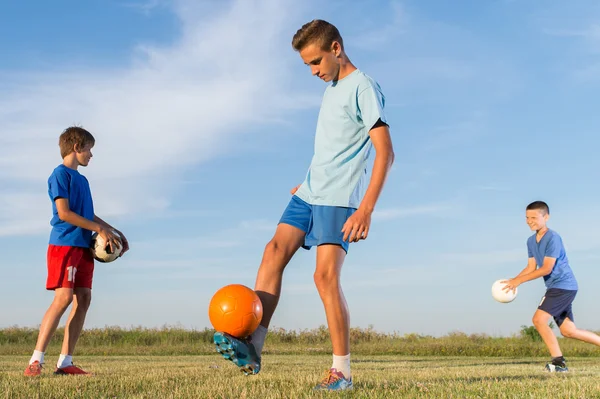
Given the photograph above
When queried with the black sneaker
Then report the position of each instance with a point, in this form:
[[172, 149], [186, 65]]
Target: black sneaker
[[557, 367]]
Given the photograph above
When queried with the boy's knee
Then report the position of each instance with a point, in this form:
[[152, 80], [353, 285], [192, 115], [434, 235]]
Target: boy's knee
[[325, 279], [274, 251], [272, 248], [63, 300], [85, 302], [84, 299], [539, 320], [568, 331]]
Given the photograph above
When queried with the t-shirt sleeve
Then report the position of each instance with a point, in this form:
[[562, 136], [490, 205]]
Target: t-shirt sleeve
[[58, 185], [529, 251], [371, 102], [554, 247]]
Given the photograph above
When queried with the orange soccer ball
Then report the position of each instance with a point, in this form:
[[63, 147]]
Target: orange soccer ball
[[236, 310]]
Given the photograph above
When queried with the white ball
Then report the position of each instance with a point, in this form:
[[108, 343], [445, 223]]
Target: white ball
[[500, 295], [101, 249]]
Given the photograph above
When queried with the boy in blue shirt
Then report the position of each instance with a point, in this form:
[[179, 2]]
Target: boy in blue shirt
[[69, 257], [548, 259], [333, 206]]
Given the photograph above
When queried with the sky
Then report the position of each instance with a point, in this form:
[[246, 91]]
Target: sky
[[204, 119]]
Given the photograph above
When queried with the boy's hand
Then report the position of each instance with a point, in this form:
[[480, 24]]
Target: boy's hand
[[511, 284], [124, 241], [357, 226], [293, 190], [109, 237]]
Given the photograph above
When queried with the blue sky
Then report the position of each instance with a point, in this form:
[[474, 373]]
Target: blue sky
[[204, 120]]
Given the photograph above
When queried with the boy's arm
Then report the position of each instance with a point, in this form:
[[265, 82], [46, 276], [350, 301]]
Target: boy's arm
[[97, 219], [67, 215], [529, 268], [544, 270], [357, 226], [102, 222]]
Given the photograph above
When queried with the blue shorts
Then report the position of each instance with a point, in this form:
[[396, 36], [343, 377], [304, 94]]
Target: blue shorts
[[321, 223], [557, 302]]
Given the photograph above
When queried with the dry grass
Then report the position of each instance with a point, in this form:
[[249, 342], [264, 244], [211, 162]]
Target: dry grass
[[293, 376]]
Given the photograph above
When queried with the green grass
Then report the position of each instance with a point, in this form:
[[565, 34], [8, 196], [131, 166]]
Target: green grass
[[176, 363], [178, 341], [293, 376]]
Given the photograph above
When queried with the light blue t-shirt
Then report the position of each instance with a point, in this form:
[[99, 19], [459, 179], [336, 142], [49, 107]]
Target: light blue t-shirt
[[72, 185], [551, 245], [338, 171]]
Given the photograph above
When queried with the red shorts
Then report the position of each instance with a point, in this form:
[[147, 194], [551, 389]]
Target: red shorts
[[69, 267]]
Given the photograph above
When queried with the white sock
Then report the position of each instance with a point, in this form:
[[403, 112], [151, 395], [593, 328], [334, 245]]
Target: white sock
[[258, 339], [64, 361], [342, 364], [37, 356]]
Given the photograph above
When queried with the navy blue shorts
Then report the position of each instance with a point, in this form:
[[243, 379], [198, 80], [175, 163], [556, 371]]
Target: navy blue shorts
[[557, 303], [321, 223]]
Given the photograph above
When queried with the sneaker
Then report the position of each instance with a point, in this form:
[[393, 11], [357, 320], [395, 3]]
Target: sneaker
[[240, 351], [34, 369], [334, 381], [557, 368], [70, 370]]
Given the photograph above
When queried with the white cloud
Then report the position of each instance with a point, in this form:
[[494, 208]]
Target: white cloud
[[404, 212], [27, 211], [493, 187], [487, 258], [457, 134], [590, 34], [171, 107], [200, 248], [380, 34], [146, 7]]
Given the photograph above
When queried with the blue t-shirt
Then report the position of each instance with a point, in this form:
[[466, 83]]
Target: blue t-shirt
[[338, 171], [551, 245], [73, 186]]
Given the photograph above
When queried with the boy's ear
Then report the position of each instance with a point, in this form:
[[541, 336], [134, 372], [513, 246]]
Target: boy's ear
[[76, 148], [336, 48]]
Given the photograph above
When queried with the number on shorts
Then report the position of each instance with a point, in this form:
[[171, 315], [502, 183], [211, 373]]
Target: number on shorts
[[71, 270]]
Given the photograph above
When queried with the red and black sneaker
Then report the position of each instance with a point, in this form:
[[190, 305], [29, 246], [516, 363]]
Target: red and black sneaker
[[70, 370], [34, 369]]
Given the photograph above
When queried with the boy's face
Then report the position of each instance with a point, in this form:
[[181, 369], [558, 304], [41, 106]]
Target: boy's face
[[84, 154], [324, 64], [536, 219]]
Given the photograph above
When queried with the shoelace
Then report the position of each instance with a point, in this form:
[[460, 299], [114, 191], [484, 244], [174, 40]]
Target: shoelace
[[330, 378]]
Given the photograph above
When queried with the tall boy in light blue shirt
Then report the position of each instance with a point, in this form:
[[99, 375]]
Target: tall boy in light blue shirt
[[333, 206]]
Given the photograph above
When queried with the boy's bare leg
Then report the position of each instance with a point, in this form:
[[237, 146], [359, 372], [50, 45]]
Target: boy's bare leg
[[540, 321], [277, 254], [569, 330], [246, 354], [74, 326], [62, 299], [330, 259]]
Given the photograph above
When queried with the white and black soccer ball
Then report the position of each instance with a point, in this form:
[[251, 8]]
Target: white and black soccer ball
[[101, 249]]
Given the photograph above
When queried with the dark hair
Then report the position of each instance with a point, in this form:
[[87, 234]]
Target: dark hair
[[317, 31], [540, 206], [72, 136]]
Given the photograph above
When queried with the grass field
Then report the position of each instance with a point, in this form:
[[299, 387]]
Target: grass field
[[292, 376], [178, 363]]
